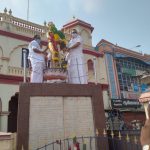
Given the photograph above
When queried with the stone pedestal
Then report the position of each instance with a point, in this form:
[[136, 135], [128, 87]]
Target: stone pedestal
[[48, 112]]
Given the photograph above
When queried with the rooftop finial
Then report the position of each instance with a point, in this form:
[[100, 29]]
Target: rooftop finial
[[5, 10], [44, 23], [74, 17], [10, 12]]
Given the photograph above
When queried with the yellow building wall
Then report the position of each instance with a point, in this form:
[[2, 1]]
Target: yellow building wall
[[7, 141], [6, 92], [11, 50]]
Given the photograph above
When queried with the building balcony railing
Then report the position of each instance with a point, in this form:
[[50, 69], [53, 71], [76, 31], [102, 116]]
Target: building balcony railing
[[7, 21], [16, 71]]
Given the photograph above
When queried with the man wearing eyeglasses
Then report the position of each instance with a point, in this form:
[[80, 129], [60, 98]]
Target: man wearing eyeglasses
[[76, 64]]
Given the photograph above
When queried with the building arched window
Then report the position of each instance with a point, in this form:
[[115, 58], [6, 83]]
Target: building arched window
[[90, 65]]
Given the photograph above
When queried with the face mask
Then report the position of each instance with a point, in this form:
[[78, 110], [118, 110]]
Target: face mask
[[74, 35], [38, 40]]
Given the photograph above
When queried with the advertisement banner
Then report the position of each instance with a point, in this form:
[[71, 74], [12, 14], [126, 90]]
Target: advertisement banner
[[125, 103]]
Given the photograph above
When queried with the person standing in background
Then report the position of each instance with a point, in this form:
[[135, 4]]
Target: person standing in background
[[76, 65]]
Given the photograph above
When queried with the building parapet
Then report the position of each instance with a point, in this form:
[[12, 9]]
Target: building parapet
[[120, 50], [20, 26]]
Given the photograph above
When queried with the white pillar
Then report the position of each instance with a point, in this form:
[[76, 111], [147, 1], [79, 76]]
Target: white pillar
[[24, 64], [95, 72]]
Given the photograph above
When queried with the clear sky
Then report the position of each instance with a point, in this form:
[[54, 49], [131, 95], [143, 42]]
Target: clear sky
[[125, 22]]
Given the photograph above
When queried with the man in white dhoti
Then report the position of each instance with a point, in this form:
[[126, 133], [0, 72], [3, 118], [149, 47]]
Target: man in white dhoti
[[76, 65], [37, 59]]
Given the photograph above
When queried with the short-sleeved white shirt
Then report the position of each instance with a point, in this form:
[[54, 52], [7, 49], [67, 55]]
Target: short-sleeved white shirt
[[78, 50], [35, 57]]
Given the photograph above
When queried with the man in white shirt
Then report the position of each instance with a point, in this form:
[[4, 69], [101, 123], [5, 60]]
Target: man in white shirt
[[37, 59], [76, 65]]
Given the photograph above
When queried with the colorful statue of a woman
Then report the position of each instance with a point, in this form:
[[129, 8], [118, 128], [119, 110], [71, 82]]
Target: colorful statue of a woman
[[56, 43]]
